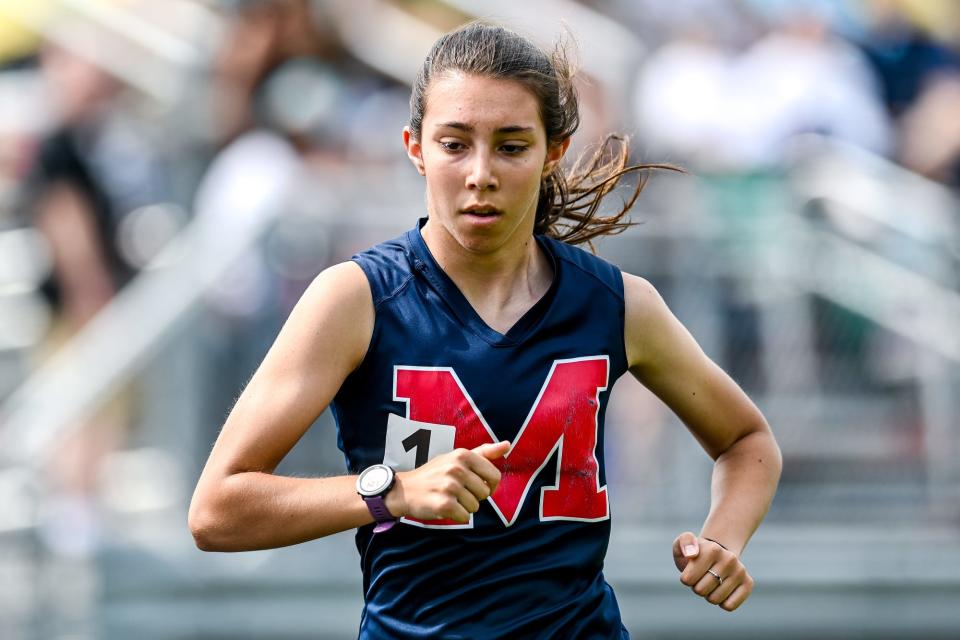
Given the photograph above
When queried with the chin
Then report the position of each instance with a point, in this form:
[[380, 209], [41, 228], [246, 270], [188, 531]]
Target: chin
[[471, 235], [479, 242]]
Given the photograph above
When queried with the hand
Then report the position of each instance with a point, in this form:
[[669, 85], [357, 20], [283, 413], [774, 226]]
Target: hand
[[693, 556], [448, 487]]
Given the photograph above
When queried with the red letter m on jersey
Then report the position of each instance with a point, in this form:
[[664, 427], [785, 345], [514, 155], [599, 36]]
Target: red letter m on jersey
[[563, 419]]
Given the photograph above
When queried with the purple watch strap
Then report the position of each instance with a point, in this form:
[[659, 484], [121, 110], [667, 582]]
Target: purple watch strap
[[381, 514]]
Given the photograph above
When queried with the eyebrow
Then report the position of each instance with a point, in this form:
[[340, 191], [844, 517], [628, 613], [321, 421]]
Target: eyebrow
[[462, 126]]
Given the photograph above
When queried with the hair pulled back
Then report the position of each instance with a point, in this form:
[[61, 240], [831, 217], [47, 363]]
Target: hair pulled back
[[569, 205]]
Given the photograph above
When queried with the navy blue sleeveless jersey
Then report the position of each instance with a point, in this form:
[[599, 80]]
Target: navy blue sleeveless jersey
[[436, 377]]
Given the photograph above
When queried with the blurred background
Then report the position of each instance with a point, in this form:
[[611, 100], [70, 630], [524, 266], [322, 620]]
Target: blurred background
[[173, 174]]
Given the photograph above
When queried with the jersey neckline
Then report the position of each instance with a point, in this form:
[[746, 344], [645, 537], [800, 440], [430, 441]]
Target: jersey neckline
[[424, 263]]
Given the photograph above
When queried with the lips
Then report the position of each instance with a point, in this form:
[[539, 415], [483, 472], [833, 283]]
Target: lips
[[482, 211]]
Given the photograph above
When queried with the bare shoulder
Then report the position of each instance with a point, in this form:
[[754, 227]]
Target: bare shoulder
[[649, 325], [323, 340], [640, 295], [336, 309], [345, 280], [345, 283]]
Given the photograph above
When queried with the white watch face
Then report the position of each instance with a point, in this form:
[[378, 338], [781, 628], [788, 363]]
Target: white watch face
[[374, 480]]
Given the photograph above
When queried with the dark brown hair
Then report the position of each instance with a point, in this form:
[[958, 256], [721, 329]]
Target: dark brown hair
[[569, 204]]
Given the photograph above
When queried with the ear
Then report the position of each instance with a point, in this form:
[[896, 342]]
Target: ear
[[414, 150], [555, 154]]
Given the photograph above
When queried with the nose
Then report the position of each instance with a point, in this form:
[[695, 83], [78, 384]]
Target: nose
[[481, 176]]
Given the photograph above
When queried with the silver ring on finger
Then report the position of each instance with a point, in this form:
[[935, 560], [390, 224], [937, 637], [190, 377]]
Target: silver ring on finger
[[715, 575]]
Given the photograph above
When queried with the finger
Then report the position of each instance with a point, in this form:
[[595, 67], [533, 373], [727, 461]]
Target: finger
[[696, 567], [732, 571], [482, 466], [707, 584], [739, 595], [685, 547], [723, 591], [492, 451], [477, 486], [457, 513], [467, 500]]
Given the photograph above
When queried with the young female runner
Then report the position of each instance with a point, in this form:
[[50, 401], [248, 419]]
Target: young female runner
[[469, 363]]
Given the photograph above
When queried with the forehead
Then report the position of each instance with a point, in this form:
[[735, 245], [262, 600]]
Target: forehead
[[481, 102]]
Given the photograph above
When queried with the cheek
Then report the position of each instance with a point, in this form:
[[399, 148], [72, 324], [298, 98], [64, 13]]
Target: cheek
[[442, 183], [533, 168], [529, 180], [441, 179], [435, 166]]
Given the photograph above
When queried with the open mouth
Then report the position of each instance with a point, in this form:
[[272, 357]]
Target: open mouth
[[482, 212]]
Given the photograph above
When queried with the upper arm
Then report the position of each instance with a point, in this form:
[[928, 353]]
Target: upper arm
[[323, 340], [663, 356]]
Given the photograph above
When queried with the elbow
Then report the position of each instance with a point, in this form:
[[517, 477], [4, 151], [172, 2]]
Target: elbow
[[778, 459], [772, 456], [776, 456], [761, 445], [202, 536], [201, 530], [205, 524]]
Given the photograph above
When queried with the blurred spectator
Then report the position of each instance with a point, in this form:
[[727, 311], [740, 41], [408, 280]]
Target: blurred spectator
[[89, 172], [682, 86], [903, 54], [920, 75], [18, 44], [930, 130], [261, 36], [286, 96], [729, 111], [93, 169], [802, 78], [731, 107], [282, 66]]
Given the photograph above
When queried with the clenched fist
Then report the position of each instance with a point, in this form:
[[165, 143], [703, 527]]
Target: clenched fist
[[711, 571], [448, 487]]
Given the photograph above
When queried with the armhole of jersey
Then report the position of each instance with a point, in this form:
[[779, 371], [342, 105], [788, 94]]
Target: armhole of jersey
[[375, 333], [623, 321], [611, 278]]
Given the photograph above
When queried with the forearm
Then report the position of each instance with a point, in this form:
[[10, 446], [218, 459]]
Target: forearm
[[745, 480], [255, 510]]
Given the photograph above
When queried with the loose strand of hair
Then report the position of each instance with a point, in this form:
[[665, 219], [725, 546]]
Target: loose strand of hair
[[573, 199]]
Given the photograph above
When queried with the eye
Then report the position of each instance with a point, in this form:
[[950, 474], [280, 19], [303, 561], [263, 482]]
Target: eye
[[452, 147], [513, 149]]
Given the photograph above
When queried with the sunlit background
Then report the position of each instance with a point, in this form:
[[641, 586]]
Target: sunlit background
[[174, 173]]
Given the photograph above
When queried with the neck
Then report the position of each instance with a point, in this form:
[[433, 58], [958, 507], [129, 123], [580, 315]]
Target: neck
[[516, 271]]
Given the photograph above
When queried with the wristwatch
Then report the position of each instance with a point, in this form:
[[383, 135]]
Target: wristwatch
[[373, 483]]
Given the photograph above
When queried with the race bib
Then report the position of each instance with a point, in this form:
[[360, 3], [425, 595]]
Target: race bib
[[410, 444]]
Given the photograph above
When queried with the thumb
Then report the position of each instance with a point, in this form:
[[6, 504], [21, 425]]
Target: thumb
[[492, 451], [685, 549]]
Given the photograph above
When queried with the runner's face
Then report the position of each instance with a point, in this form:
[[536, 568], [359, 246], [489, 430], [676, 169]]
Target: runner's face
[[483, 152]]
